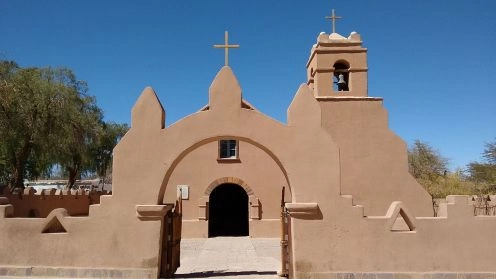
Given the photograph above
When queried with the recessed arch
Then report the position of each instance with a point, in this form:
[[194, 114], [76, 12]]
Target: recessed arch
[[254, 202], [341, 64], [224, 180], [182, 155]]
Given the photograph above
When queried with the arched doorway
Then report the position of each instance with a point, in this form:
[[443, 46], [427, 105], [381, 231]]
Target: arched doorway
[[228, 211]]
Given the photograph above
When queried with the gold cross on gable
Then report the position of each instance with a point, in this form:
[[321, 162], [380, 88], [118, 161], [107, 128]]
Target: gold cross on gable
[[333, 18], [226, 46]]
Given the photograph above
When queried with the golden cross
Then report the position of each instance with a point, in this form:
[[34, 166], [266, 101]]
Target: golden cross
[[226, 46], [333, 18]]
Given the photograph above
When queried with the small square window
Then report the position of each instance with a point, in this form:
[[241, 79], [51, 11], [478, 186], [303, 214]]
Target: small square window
[[228, 149]]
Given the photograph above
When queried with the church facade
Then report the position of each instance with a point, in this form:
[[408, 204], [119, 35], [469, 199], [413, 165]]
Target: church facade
[[352, 207], [369, 153]]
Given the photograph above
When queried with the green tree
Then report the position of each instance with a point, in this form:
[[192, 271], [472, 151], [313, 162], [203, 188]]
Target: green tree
[[483, 174], [3, 166], [47, 118], [29, 104], [449, 184], [107, 139], [490, 152], [78, 134], [425, 163], [429, 168]]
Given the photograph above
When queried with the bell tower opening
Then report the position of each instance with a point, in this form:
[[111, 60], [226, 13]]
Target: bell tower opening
[[228, 211], [337, 66], [341, 76]]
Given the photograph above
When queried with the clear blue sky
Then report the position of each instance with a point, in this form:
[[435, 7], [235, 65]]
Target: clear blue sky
[[432, 61]]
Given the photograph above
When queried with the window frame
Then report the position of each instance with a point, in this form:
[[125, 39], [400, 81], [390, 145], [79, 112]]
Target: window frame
[[228, 149]]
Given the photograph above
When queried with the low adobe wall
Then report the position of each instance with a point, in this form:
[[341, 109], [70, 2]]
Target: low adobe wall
[[344, 241], [29, 203]]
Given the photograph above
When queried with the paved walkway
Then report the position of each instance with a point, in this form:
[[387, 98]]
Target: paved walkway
[[229, 257]]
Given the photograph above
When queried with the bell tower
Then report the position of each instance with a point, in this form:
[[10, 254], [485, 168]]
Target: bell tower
[[338, 65]]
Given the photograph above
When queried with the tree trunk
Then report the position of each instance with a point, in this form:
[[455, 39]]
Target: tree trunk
[[73, 172], [20, 164]]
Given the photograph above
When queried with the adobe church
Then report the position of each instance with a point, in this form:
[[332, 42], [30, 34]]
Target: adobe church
[[350, 207]]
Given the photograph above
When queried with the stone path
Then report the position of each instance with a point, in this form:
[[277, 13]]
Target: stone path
[[229, 257]]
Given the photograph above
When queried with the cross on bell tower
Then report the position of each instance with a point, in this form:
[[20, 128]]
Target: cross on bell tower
[[333, 19]]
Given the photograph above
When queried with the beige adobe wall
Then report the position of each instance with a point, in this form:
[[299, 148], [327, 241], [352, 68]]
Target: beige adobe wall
[[30, 204], [255, 168], [348, 242], [110, 239], [374, 164]]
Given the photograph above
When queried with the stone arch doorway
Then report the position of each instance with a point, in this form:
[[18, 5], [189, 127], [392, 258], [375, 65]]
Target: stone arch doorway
[[228, 211]]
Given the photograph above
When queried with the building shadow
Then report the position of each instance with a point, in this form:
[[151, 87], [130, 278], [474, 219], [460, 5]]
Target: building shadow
[[221, 273]]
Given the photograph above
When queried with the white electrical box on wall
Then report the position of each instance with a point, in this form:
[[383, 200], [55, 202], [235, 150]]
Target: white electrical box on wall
[[184, 191]]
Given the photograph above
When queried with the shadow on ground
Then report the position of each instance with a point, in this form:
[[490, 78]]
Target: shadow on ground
[[220, 273]]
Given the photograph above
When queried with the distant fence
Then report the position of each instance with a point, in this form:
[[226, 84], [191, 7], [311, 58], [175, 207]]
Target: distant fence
[[30, 203], [87, 184], [483, 205]]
